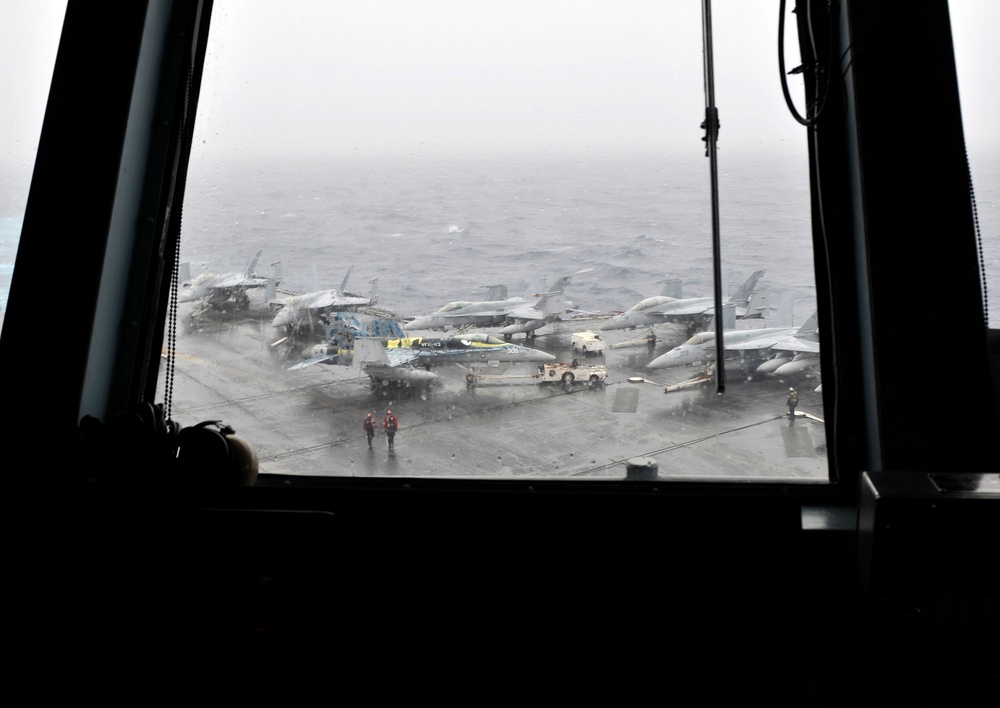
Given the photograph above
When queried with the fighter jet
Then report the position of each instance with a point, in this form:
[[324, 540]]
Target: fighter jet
[[693, 312], [408, 360], [400, 360], [220, 291], [311, 309], [797, 353], [340, 333], [758, 342], [466, 349], [527, 319], [516, 314]]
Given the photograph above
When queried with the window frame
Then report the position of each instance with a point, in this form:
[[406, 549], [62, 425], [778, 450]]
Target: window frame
[[149, 62]]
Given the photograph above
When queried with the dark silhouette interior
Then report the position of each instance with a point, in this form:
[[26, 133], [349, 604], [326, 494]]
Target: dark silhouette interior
[[879, 588]]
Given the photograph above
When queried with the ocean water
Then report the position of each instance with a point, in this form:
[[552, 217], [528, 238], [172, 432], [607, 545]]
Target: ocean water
[[441, 229]]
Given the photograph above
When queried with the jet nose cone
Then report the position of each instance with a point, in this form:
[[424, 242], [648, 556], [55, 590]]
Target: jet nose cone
[[614, 323], [519, 353], [417, 323], [663, 361], [538, 355]]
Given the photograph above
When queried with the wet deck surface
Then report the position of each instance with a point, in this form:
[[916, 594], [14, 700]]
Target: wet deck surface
[[308, 422]]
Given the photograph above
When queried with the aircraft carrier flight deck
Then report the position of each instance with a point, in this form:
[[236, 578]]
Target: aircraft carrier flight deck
[[308, 421]]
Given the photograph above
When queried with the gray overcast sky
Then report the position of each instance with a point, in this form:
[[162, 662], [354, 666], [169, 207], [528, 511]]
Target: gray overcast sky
[[443, 75], [415, 77]]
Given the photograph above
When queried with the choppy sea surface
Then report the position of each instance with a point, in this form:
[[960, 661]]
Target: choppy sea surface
[[436, 230]]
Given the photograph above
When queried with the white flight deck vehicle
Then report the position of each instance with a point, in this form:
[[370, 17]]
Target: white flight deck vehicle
[[587, 342]]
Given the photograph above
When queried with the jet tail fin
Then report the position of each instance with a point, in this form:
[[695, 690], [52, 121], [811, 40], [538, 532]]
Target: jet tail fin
[[672, 288], [343, 283], [757, 305], [496, 292], [184, 272], [553, 303], [783, 315], [729, 316], [369, 350], [743, 294], [270, 291], [810, 326], [561, 284], [252, 264]]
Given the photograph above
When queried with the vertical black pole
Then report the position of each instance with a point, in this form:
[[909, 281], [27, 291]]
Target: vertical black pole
[[711, 126]]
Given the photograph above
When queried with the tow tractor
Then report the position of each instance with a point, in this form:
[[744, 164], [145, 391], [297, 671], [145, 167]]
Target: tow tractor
[[559, 372], [568, 373]]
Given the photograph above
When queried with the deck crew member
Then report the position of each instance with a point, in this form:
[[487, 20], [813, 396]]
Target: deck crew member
[[793, 400], [390, 425], [369, 426]]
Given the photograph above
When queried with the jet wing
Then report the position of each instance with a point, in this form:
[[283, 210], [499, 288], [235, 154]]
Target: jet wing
[[254, 282], [471, 348], [401, 357], [312, 360], [525, 313], [329, 298], [798, 344], [765, 340], [399, 353], [685, 308], [232, 280]]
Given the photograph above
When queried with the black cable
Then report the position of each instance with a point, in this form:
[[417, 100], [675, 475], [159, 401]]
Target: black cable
[[781, 68], [819, 73]]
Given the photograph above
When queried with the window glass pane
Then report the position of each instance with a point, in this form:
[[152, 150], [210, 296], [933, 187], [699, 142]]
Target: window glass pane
[[451, 152], [976, 58], [29, 37]]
